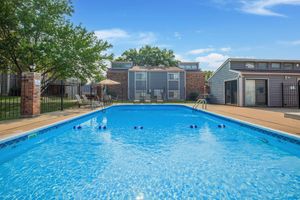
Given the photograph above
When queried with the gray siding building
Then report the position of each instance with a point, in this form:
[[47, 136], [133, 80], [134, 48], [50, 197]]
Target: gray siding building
[[256, 82], [156, 82], [166, 82]]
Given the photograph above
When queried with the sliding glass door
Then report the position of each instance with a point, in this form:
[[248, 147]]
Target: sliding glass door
[[256, 92], [261, 94], [231, 92]]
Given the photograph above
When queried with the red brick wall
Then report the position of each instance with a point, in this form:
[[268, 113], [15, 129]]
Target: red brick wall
[[30, 94], [120, 90], [195, 82]]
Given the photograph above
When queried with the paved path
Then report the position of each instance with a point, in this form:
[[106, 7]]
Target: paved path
[[10, 128], [269, 117]]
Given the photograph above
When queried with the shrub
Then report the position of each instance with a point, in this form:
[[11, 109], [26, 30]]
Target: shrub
[[193, 96]]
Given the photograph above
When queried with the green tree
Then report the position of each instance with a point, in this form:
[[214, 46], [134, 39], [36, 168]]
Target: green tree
[[36, 36], [149, 56], [208, 74]]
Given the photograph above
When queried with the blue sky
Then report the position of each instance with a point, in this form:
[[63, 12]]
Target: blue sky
[[208, 31]]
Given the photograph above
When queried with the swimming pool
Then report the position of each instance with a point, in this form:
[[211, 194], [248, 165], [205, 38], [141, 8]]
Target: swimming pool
[[150, 152]]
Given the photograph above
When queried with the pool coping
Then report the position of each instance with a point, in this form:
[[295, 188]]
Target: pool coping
[[9, 138], [265, 130], [249, 124]]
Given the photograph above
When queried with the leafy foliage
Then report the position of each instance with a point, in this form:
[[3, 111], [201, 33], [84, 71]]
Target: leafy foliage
[[193, 96], [36, 36], [149, 56], [208, 74]]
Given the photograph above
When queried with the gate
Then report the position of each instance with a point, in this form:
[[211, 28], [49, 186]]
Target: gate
[[291, 94], [10, 96]]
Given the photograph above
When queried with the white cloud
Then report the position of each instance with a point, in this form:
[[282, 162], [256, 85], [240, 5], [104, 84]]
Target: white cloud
[[207, 50], [177, 35], [144, 38], [290, 43], [212, 60], [225, 49], [179, 57], [111, 34], [118, 36], [200, 51], [263, 7]]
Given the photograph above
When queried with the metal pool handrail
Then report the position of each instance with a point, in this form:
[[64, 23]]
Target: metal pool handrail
[[202, 102]]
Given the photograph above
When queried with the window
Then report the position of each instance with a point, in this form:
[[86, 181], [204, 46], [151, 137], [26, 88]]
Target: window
[[121, 65], [297, 66], [262, 65], [275, 65], [158, 92], [287, 66], [140, 94], [174, 94], [141, 76], [249, 65], [189, 67], [173, 76]]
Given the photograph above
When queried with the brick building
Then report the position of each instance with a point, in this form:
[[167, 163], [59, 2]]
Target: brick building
[[171, 83]]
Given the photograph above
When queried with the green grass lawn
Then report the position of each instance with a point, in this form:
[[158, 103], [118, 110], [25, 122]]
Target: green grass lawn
[[10, 106]]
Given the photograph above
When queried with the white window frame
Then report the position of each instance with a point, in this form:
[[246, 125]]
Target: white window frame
[[276, 67], [250, 65], [258, 65], [174, 98], [175, 74], [178, 82], [143, 79], [143, 94]]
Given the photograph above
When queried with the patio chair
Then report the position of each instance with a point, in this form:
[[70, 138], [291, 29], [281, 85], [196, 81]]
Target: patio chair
[[85, 99], [79, 100], [93, 103], [107, 99], [148, 98], [137, 99], [159, 99]]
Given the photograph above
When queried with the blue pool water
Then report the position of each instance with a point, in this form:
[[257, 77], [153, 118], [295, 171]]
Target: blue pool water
[[165, 160]]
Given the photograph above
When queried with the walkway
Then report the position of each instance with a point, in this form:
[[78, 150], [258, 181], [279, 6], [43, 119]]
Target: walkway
[[14, 127], [268, 117]]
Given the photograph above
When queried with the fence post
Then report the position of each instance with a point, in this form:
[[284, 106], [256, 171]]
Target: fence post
[[61, 95], [91, 94], [30, 94], [299, 94], [122, 94], [282, 94]]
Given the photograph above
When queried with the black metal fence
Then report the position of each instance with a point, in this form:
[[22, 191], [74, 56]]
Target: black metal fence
[[10, 96], [291, 94], [59, 96]]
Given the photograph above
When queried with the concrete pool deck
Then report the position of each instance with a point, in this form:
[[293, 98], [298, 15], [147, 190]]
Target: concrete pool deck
[[268, 117], [9, 128]]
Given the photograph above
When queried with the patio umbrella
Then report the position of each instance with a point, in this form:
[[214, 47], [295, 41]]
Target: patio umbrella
[[107, 82]]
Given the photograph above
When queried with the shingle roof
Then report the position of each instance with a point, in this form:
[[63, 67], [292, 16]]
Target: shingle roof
[[268, 71], [156, 68], [263, 60]]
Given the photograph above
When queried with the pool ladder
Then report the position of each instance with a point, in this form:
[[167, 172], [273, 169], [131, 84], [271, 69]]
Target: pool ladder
[[201, 102]]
